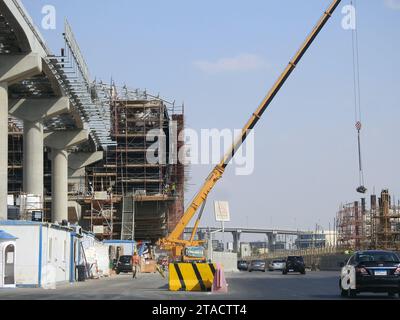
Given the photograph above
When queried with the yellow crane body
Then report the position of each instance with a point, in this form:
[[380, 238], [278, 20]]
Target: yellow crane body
[[174, 242]]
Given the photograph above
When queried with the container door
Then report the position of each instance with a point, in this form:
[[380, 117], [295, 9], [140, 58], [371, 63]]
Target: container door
[[9, 262]]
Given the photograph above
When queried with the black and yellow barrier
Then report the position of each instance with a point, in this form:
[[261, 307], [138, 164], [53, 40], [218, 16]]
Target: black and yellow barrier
[[191, 276]]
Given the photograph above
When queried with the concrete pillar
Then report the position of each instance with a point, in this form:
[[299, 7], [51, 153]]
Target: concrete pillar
[[4, 150], [13, 68], [33, 158], [59, 185], [271, 241], [236, 241], [60, 142], [33, 112]]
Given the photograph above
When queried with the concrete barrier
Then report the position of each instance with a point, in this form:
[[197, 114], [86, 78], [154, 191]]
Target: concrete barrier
[[332, 262], [191, 276], [227, 260]]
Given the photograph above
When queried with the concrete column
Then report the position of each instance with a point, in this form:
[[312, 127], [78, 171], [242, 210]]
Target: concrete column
[[60, 142], [4, 150], [33, 158], [59, 185], [33, 112], [271, 241], [13, 68], [236, 241]]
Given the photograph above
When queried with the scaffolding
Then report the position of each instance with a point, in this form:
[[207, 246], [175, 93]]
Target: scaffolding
[[15, 156], [149, 195], [101, 215], [375, 228]]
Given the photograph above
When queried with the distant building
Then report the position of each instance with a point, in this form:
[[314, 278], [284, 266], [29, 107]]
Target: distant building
[[259, 245], [218, 246], [320, 239], [259, 248]]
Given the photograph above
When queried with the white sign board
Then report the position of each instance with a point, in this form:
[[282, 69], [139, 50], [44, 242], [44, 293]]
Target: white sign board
[[101, 195], [221, 209], [98, 229], [10, 200]]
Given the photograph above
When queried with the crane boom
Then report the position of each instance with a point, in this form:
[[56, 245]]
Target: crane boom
[[174, 238]]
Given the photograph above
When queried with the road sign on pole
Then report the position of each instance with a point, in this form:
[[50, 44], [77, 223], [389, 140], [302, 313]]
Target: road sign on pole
[[222, 214], [221, 209]]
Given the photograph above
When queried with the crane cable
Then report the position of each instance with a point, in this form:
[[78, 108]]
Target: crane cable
[[357, 98]]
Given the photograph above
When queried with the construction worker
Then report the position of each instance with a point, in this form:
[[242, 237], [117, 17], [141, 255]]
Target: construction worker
[[135, 264], [173, 189]]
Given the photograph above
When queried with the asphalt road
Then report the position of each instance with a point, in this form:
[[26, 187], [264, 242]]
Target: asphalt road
[[242, 286]]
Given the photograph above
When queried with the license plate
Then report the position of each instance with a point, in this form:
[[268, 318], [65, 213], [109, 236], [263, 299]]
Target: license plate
[[381, 273], [291, 270]]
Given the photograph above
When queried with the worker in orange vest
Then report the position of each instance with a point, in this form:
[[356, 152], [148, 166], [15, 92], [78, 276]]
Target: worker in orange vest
[[135, 264]]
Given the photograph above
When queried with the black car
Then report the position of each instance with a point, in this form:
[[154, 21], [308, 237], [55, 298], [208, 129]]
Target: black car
[[371, 271], [124, 264], [243, 265], [294, 264]]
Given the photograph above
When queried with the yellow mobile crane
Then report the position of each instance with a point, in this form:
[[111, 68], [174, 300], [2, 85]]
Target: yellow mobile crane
[[191, 250]]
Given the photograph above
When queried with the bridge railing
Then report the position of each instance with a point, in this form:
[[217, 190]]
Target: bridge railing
[[311, 255]]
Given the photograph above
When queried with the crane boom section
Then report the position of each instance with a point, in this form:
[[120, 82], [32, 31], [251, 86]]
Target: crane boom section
[[218, 171]]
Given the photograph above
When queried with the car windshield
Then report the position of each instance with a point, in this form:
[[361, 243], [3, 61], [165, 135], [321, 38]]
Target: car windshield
[[377, 257], [257, 262], [277, 261], [295, 259], [125, 259]]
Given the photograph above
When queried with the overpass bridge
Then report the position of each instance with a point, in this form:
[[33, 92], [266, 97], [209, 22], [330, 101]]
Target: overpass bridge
[[54, 103], [271, 234]]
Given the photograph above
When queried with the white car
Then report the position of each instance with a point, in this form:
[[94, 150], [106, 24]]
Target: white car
[[277, 265]]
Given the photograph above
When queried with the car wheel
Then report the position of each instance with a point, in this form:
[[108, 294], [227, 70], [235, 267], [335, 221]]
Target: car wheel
[[284, 272], [343, 293], [391, 294], [303, 272], [352, 293]]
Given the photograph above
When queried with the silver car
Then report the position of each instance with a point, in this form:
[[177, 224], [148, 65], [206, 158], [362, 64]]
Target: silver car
[[257, 265], [277, 265]]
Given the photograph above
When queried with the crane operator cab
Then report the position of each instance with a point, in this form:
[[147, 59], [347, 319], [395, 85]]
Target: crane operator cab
[[194, 255]]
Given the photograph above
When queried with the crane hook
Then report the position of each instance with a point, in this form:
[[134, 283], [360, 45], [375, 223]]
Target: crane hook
[[361, 188]]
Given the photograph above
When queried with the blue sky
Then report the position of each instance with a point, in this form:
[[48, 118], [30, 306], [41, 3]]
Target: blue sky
[[221, 57]]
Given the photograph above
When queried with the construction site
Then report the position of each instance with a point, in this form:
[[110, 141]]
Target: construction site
[[94, 177], [364, 225], [144, 201], [122, 196]]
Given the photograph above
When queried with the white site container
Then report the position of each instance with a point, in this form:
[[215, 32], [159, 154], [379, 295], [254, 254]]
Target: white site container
[[45, 253]]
